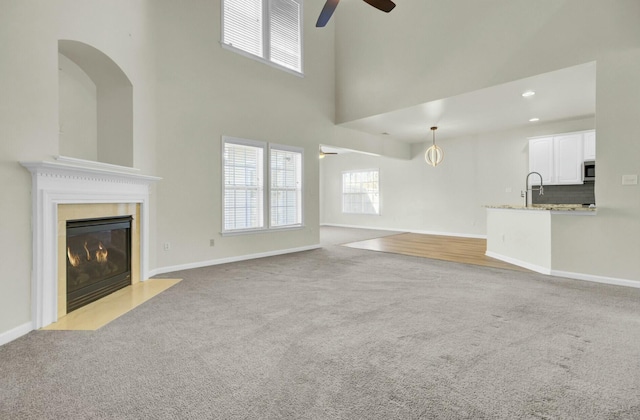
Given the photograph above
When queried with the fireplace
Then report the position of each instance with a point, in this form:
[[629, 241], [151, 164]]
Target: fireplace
[[72, 189], [98, 258]]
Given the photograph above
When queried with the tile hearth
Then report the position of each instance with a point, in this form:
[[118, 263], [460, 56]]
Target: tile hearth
[[99, 313]]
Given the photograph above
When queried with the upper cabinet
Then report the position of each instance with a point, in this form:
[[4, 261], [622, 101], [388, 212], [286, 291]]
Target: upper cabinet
[[590, 145], [568, 151], [559, 158], [541, 158]]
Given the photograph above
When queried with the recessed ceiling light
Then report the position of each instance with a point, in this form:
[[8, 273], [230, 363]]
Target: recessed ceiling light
[[528, 93], [534, 119]]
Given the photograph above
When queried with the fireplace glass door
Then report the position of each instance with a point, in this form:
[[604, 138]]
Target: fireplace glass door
[[98, 259]]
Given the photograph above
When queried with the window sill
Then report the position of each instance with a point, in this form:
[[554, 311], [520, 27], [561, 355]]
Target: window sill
[[265, 230], [360, 214], [262, 60]]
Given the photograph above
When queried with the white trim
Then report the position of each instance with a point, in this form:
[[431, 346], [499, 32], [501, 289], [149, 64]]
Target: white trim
[[270, 230], [243, 142], [533, 267], [566, 274], [597, 279], [267, 148], [264, 146], [266, 39], [56, 183], [87, 163], [169, 269], [379, 193], [89, 172], [422, 232], [261, 60], [291, 149], [16, 332]]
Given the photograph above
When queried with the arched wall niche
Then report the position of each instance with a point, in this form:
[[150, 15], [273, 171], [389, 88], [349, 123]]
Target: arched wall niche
[[113, 104]]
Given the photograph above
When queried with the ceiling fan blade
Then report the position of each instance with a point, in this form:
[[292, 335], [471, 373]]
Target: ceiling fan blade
[[326, 13], [384, 5]]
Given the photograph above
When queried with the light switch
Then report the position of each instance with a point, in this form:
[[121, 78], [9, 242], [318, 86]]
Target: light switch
[[629, 179]]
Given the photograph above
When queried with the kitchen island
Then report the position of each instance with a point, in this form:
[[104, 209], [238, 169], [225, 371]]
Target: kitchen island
[[523, 236]]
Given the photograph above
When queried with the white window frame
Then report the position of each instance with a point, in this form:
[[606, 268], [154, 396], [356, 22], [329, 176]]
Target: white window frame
[[299, 190], [266, 38], [266, 186], [251, 143], [344, 194]]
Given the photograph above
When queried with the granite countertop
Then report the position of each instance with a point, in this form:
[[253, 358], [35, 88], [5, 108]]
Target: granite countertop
[[549, 207]]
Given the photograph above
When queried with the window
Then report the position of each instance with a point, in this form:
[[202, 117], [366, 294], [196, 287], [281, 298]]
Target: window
[[286, 187], [243, 185], [360, 192], [244, 175], [268, 29]]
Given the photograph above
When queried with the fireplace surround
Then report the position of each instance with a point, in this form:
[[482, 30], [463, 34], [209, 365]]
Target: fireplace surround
[[67, 189]]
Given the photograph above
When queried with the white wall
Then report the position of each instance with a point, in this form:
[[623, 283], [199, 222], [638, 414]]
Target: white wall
[[609, 244], [205, 92], [521, 237], [431, 49], [29, 110], [187, 92], [78, 112], [450, 198]]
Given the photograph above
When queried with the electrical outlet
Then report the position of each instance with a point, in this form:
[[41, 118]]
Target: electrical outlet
[[212, 242], [629, 179], [167, 246], [507, 190]]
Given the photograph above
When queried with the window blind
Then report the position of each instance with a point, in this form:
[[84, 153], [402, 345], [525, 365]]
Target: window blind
[[360, 192], [243, 187], [286, 188], [269, 29], [242, 23], [285, 33]]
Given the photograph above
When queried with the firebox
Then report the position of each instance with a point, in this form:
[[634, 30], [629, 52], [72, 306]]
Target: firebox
[[98, 258]]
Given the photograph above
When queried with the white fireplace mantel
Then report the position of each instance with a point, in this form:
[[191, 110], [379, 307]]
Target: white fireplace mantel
[[74, 181]]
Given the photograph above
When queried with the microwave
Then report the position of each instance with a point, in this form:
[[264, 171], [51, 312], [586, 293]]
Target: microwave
[[589, 172]]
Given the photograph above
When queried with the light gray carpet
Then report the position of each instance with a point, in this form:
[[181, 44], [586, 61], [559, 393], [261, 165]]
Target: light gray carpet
[[341, 333]]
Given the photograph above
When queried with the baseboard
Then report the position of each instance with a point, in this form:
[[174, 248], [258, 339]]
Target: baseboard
[[596, 279], [566, 274], [533, 267], [422, 232], [16, 332], [169, 269]]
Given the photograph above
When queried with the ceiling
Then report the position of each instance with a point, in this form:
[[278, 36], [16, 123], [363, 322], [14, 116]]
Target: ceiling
[[559, 95]]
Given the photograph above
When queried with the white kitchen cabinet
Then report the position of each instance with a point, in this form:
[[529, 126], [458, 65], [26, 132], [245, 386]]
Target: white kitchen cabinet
[[557, 158], [541, 159], [568, 158], [590, 145]]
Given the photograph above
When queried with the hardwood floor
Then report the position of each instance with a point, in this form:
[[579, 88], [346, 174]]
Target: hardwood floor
[[447, 248]]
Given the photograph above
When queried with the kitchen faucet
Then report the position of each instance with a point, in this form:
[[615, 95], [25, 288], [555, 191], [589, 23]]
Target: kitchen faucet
[[525, 193]]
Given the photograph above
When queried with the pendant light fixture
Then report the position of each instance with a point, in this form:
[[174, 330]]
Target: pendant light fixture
[[434, 155]]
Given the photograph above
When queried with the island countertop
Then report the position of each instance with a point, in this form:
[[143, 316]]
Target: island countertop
[[546, 207]]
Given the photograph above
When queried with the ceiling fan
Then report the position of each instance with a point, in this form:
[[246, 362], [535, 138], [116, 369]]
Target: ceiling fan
[[330, 6], [323, 154]]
